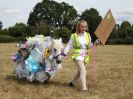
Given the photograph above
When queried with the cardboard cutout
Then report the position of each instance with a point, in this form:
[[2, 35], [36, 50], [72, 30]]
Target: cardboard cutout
[[105, 27]]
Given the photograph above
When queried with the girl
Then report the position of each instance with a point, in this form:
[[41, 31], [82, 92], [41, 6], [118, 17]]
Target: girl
[[81, 44]]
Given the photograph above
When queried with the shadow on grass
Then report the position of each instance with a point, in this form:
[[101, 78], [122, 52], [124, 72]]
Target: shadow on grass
[[56, 83], [13, 78]]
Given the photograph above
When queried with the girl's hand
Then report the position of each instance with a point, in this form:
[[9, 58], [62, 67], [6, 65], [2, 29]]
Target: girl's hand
[[64, 55], [97, 42]]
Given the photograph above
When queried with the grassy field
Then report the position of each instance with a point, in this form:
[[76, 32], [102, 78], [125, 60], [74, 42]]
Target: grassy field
[[114, 77]]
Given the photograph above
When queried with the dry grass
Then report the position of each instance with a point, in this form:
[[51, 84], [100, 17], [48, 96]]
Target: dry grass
[[114, 77]]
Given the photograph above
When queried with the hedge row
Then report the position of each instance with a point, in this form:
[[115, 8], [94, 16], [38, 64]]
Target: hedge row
[[8, 39], [127, 40]]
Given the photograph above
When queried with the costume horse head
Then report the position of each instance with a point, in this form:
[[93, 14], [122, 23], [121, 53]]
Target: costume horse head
[[57, 48]]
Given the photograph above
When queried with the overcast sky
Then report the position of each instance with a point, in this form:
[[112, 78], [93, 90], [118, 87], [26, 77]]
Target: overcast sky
[[15, 11]]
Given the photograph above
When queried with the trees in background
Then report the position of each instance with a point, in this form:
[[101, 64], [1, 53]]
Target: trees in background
[[49, 15], [63, 33], [18, 32], [1, 25], [19, 29], [58, 20], [122, 34]]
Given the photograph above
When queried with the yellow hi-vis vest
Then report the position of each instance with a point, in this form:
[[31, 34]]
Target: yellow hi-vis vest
[[76, 46]]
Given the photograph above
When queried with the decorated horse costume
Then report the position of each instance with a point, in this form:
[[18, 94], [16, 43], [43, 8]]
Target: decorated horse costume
[[38, 59]]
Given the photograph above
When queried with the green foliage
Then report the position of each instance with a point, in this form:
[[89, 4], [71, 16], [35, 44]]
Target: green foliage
[[115, 41], [51, 18], [130, 32], [6, 39], [69, 16], [4, 32], [19, 30], [1, 25], [122, 34], [41, 29], [63, 33], [114, 33], [125, 30], [51, 14], [29, 31], [128, 40], [125, 24], [15, 31]]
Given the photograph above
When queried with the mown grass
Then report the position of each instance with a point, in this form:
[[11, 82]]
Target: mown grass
[[114, 77]]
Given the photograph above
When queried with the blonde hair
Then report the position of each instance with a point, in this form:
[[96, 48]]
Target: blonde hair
[[78, 25]]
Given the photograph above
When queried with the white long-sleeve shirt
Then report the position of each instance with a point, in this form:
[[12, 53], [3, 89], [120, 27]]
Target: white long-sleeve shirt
[[82, 41]]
